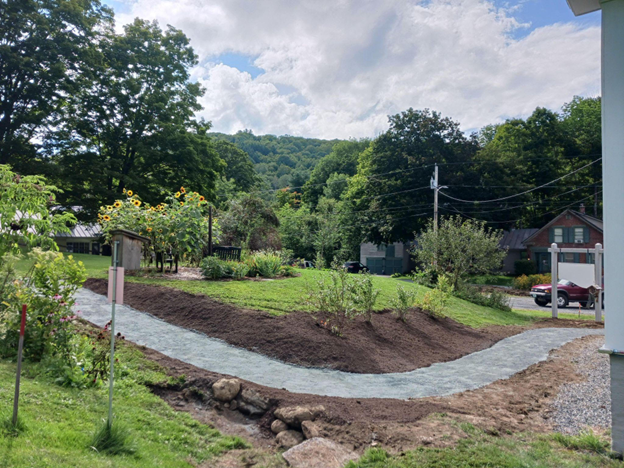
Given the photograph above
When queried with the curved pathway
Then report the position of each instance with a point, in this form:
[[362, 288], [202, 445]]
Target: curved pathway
[[501, 361]]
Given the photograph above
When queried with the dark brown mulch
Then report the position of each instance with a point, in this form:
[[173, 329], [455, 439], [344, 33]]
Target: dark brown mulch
[[388, 345]]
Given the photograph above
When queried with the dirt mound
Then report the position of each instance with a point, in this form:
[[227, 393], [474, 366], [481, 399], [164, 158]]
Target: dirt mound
[[388, 345]]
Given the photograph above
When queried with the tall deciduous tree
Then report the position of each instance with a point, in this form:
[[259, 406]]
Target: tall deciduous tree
[[45, 49], [239, 166], [133, 124]]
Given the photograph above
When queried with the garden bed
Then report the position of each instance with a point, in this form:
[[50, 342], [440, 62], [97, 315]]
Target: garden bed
[[388, 345]]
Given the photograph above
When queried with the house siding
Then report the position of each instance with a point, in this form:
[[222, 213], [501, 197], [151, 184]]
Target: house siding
[[401, 252]]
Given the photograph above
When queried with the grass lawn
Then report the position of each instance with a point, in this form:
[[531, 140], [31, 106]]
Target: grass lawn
[[60, 422], [481, 450], [282, 296]]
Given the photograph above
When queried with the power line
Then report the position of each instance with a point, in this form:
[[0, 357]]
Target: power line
[[521, 193]]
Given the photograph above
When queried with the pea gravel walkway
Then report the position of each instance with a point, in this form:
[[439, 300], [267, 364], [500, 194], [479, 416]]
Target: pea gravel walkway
[[501, 361]]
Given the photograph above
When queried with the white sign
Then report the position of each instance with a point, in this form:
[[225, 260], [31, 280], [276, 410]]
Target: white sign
[[120, 285], [581, 274]]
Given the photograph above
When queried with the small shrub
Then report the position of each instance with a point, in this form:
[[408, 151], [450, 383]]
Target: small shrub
[[287, 271], [525, 282], [496, 299], [366, 294], [435, 300], [425, 277], [403, 301], [525, 267], [237, 270], [396, 275], [213, 268], [264, 263]]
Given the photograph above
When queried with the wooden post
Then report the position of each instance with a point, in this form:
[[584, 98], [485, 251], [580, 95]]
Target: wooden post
[[20, 350], [112, 352], [554, 269], [210, 231], [598, 278]]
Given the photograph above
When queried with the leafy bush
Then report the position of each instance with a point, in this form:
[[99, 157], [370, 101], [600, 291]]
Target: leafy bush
[[403, 302], [525, 267], [525, 282], [212, 268], [495, 299], [49, 296], [335, 295], [396, 275], [264, 263], [287, 271], [237, 270], [425, 277], [366, 294], [435, 300]]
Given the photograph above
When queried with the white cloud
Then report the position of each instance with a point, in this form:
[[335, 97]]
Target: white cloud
[[347, 64]]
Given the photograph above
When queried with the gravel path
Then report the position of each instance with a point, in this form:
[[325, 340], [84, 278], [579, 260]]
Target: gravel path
[[501, 361], [588, 403]]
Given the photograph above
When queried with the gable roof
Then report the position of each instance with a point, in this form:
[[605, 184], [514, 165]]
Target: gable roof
[[513, 240], [82, 230], [590, 220]]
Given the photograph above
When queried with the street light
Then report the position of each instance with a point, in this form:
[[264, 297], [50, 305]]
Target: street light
[[613, 174]]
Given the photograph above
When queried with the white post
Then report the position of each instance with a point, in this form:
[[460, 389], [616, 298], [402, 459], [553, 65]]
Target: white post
[[435, 201], [613, 174], [598, 277], [554, 272]]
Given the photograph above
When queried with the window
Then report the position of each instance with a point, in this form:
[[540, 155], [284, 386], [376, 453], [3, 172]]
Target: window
[[579, 234], [78, 247], [558, 235]]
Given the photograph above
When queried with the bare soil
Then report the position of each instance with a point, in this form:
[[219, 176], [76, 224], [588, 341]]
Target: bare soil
[[521, 403], [387, 345]]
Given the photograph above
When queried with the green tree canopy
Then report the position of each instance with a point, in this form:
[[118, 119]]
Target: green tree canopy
[[45, 50], [132, 126], [239, 166]]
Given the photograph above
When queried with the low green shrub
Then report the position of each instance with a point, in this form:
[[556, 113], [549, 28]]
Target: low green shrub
[[426, 278], [403, 301], [366, 294], [237, 270], [287, 271], [496, 299], [212, 268], [264, 263], [435, 300], [525, 267], [396, 275], [525, 282]]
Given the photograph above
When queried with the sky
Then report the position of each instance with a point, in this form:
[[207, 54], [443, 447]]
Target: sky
[[338, 68]]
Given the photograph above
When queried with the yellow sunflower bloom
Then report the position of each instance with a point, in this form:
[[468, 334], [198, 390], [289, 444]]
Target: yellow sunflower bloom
[[106, 218], [117, 204], [149, 229], [182, 189], [129, 192], [181, 203], [201, 198], [109, 208], [123, 191], [177, 195], [136, 203]]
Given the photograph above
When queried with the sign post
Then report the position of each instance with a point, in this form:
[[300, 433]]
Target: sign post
[[112, 352], [20, 350]]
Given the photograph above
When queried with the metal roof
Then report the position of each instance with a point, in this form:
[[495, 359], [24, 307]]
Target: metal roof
[[581, 7], [512, 240], [82, 230]]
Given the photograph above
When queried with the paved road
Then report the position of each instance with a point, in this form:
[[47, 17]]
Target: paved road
[[527, 303], [501, 361]]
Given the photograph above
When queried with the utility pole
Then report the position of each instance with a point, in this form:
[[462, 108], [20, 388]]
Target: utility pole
[[435, 199]]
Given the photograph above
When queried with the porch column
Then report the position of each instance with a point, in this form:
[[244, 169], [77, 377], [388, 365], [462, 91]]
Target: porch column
[[613, 175]]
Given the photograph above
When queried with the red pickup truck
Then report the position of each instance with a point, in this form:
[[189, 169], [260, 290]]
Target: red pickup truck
[[567, 292]]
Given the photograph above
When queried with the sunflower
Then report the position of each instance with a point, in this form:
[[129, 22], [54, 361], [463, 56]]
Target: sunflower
[[106, 218], [149, 229], [201, 198], [109, 208], [181, 203], [129, 193], [136, 202], [182, 189], [117, 204], [177, 195], [160, 230]]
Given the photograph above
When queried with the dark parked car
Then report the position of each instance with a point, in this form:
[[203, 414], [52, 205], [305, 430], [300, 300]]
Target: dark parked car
[[567, 292], [354, 267]]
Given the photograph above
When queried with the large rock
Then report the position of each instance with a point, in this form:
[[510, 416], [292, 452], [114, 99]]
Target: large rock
[[319, 453], [226, 389], [253, 398], [250, 410], [278, 426], [295, 415], [288, 439]]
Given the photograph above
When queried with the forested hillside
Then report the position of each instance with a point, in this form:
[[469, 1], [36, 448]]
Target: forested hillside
[[281, 161]]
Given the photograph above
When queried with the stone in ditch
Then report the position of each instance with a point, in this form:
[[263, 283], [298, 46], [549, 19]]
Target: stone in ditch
[[288, 439], [226, 389], [250, 410], [252, 397], [295, 415], [310, 429], [319, 453], [278, 426]]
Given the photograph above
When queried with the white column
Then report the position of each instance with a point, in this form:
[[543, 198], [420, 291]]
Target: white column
[[598, 278], [613, 175], [554, 272]]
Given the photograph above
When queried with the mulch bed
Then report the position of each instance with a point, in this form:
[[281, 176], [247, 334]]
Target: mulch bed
[[388, 345]]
